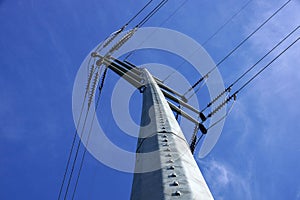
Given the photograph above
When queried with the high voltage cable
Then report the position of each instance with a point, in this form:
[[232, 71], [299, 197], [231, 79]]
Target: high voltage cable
[[155, 10], [77, 151], [174, 12], [116, 33], [214, 34], [247, 71], [110, 39], [75, 134], [265, 67], [73, 143], [241, 88], [89, 133], [241, 43], [251, 79], [138, 13], [227, 22], [250, 68]]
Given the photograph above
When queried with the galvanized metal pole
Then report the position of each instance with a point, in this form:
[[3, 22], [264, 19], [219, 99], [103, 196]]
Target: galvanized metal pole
[[177, 175]]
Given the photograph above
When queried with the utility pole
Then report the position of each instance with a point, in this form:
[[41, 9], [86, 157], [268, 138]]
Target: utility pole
[[179, 176], [176, 174]]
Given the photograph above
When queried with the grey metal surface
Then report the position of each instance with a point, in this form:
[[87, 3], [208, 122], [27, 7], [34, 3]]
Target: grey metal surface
[[179, 176]]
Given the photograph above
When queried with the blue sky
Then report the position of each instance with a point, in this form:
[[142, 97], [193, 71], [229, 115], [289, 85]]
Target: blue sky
[[42, 45]]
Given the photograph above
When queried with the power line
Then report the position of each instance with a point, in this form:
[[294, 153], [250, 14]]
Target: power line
[[264, 68], [141, 10], [172, 14], [155, 10], [108, 40], [233, 96], [207, 40], [74, 137], [279, 43], [250, 68], [78, 146], [241, 43], [112, 36], [89, 133], [227, 22]]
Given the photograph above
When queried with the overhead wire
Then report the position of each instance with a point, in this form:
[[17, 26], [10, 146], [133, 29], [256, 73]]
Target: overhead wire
[[89, 132], [78, 145], [168, 18], [155, 10], [102, 45], [223, 117], [240, 44], [228, 89], [227, 22], [74, 139], [137, 14], [265, 67], [188, 98], [113, 36], [213, 35], [139, 25], [271, 50], [234, 95], [174, 12]]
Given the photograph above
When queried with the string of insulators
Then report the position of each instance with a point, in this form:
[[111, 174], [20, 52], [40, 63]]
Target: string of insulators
[[194, 139], [113, 36], [199, 81], [122, 41], [217, 97], [89, 79], [93, 88], [222, 105], [102, 80]]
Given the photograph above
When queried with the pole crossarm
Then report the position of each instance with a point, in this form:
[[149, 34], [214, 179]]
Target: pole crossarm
[[129, 75], [132, 74]]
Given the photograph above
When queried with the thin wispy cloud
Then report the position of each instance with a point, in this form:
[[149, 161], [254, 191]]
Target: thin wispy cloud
[[223, 179]]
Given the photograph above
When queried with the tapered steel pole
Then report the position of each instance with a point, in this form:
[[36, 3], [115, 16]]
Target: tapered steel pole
[[176, 174]]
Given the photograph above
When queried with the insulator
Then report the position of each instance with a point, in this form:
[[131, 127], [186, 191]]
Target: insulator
[[217, 97], [113, 36], [90, 77], [194, 132], [193, 144], [93, 88], [220, 106], [91, 74], [109, 40], [102, 80], [122, 41]]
